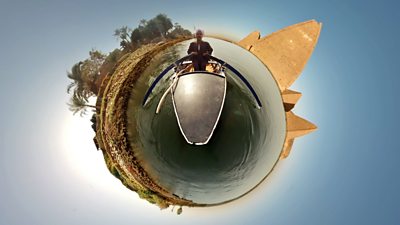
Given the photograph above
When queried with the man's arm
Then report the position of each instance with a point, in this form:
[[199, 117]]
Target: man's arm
[[190, 49], [210, 50]]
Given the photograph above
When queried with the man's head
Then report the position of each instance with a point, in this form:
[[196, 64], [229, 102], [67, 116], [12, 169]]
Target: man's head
[[199, 34]]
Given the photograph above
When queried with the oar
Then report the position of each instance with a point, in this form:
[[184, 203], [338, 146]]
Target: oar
[[165, 95], [237, 73], [158, 78], [168, 89]]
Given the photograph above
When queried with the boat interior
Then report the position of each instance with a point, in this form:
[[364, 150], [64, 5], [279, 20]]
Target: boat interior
[[215, 66], [187, 67]]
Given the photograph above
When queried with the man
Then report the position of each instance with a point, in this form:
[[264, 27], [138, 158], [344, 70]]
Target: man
[[200, 51]]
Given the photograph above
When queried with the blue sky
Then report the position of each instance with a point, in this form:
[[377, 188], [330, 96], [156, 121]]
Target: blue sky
[[347, 172]]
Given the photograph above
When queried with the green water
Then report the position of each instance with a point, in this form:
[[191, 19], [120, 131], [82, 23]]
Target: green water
[[246, 143]]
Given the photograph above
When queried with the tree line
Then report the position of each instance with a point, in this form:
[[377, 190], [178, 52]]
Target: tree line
[[86, 75]]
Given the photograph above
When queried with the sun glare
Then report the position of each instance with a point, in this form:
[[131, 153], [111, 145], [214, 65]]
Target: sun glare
[[81, 154]]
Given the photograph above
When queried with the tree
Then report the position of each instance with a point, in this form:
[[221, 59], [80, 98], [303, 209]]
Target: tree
[[84, 76], [124, 35], [163, 24], [87, 75], [90, 69], [78, 82], [78, 104], [158, 28], [178, 32], [142, 23], [136, 37], [179, 211], [108, 65]]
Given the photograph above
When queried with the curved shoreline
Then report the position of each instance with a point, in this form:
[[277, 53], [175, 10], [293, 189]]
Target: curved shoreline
[[111, 134], [113, 98]]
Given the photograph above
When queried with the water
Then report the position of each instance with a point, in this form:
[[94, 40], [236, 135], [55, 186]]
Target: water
[[246, 143]]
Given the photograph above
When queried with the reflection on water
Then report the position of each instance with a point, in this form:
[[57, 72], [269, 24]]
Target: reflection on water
[[246, 143]]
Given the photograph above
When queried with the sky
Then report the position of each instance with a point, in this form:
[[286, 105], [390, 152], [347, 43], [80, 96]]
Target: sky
[[347, 172]]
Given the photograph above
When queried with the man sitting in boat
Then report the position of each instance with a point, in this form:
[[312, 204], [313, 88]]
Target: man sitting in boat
[[200, 51]]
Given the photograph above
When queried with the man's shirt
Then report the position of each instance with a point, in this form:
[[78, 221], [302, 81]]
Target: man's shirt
[[200, 48]]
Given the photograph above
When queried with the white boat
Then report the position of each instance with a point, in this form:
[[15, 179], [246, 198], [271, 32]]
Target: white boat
[[198, 97]]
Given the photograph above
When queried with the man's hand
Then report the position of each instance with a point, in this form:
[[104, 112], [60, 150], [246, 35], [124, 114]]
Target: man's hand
[[206, 53], [193, 53]]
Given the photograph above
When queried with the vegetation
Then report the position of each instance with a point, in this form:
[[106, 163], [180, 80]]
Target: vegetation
[[179, 211], [79, 104], [83, 85], [159, 28], [143, 192], [87, 75]]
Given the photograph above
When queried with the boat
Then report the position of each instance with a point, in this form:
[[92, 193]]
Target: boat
[[198, 97]]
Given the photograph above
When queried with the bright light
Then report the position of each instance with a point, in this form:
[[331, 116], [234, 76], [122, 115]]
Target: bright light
[[81, 154], [189, 87], [87, 163]]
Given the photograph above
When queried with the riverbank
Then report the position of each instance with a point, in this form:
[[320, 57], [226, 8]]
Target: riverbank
[[111, 123]]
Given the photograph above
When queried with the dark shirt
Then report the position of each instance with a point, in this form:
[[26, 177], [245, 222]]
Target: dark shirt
[[201, 48]]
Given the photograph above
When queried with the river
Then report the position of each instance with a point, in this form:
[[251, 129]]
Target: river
[[246, 143]]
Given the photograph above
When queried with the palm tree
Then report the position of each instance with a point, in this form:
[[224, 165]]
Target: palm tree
[[78, 104], [78, 82], [163, 24], [124, 35], [81, 87]]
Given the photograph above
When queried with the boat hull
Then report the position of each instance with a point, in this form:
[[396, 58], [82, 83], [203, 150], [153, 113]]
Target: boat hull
[[198, 100]]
